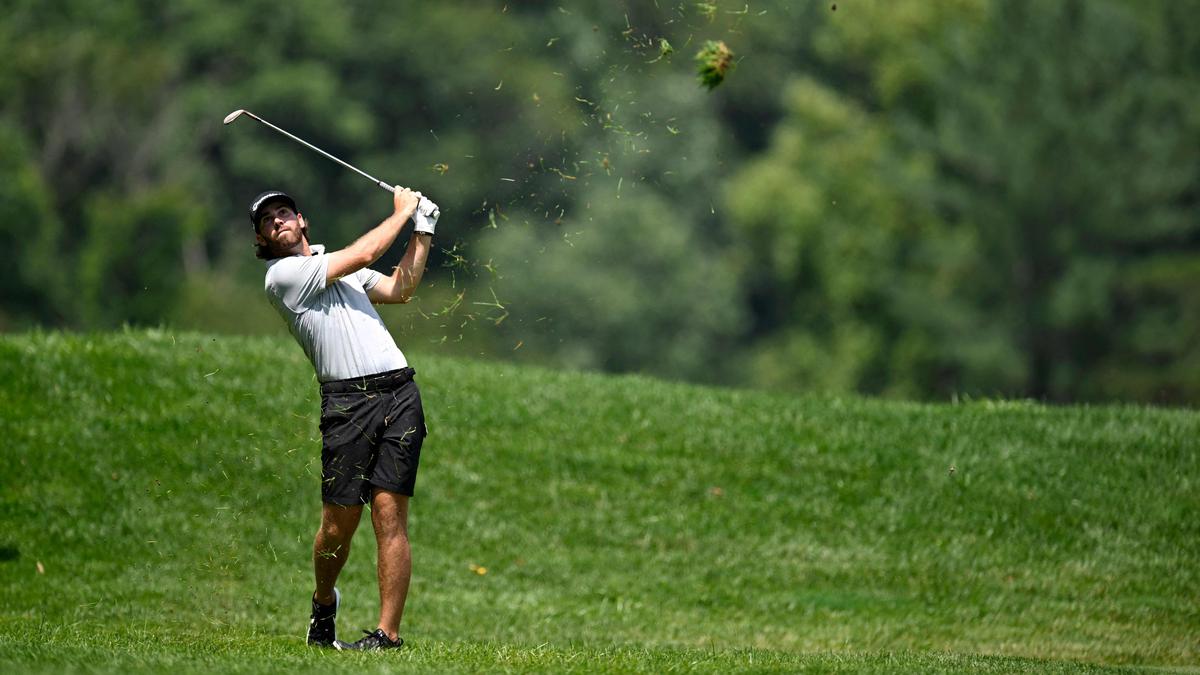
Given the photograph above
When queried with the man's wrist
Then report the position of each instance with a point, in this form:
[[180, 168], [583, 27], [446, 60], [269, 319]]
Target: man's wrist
[[423, 224]]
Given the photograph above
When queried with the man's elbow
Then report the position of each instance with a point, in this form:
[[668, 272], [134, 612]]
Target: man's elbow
[[362, 254], [364, 258], [350, 262], [394, 296]]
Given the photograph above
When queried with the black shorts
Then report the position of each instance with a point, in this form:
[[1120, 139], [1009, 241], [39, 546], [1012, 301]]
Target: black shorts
[[372, 429]]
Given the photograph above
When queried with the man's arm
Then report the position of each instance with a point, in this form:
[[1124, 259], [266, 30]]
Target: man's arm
[[399, 287], [369, 247]]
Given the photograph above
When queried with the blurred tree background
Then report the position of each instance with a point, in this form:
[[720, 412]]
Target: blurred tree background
[[893, 197]]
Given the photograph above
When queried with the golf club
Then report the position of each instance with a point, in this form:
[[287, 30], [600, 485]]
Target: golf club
[[238, 113]]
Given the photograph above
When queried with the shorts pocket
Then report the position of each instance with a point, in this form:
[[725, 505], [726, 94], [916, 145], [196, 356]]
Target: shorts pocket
[[335, 411]]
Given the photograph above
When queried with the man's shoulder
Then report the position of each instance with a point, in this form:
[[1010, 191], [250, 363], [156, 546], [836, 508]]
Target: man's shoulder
[[277, 267], [296, 281], [285, 275], [275, 263]]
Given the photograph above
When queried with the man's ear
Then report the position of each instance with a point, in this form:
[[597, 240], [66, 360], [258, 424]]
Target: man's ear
[[303, 224]]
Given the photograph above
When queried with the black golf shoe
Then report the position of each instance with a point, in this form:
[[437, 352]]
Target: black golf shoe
[[373, 641], [321, 631]]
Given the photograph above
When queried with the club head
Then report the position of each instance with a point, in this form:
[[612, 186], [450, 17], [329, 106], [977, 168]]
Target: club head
[[233, 116]]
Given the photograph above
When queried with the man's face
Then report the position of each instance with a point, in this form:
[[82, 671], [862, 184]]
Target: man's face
[[280, 228]]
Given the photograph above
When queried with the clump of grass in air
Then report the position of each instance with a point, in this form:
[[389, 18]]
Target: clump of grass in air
[[664, 48], [715, 59], [707, 9]]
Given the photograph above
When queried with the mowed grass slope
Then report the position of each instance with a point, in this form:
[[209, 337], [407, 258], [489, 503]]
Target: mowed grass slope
[[159, 494]]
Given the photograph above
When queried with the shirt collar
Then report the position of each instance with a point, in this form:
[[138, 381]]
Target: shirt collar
[[316, 249]]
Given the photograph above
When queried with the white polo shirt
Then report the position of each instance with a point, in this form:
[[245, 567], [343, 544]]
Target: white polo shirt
[[336, 325]]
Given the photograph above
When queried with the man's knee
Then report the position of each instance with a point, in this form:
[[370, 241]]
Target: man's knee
[[389, 513], [339, 522]]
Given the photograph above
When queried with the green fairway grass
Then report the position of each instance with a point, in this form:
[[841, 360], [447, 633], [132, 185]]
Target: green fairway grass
[[159, 494]]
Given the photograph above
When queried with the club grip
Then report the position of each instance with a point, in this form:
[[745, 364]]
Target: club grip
[[435, 213]]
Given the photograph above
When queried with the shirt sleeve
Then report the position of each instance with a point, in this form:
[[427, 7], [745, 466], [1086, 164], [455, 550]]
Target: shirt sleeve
[[368, 278], [298, 280]]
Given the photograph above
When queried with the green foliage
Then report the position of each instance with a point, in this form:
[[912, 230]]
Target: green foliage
[[626, 524], [623, 287], [1035, 131], [884, 46], [33, 288], [853, 280], [128, 270], [900, 197], [982, 220]]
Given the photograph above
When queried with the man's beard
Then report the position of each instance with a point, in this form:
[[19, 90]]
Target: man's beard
[[278, 250]]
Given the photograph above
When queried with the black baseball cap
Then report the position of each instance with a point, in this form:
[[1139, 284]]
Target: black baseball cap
[[263, 199]]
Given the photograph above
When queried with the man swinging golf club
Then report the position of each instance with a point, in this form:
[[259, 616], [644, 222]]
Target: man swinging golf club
[[372, 423]]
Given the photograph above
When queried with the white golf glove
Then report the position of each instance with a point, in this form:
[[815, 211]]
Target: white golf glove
[[426, 216]]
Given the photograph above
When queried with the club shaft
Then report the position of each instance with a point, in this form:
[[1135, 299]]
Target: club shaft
[[310, 146]]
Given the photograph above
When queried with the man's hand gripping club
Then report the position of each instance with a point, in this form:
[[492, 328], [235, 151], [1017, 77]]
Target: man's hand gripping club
[[369, 247], [426, 216], [399, 287]]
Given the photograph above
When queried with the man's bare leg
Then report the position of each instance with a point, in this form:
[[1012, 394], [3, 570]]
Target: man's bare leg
[[331, 548], [389, 515]]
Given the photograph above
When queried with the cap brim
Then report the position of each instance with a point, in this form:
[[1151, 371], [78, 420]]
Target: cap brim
[[266, 199]]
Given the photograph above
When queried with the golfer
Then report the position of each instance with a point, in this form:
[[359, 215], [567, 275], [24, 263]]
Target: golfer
[[372, 423]]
